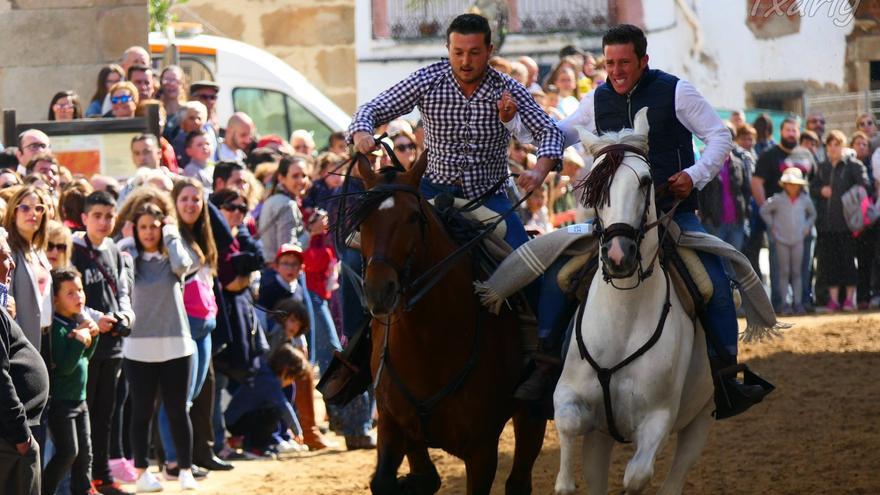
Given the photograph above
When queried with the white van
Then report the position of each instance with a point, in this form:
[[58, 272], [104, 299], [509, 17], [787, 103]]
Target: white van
[[277, 97]]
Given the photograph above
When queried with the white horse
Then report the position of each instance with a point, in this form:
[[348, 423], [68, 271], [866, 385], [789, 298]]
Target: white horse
[[667, 388]]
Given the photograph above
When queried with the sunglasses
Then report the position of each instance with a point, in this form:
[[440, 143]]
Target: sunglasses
[[867, 123], [234, 207], [404, 147], [120, 99], [39, 209], [52, 247], [206, 97]]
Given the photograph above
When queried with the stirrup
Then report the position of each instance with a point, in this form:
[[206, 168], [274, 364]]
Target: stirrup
[[733, 397]]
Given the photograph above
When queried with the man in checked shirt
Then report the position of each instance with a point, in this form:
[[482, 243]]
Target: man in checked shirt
[[460, 101]]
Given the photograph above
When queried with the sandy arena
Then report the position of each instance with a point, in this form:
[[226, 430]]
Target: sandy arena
[[817, 433]]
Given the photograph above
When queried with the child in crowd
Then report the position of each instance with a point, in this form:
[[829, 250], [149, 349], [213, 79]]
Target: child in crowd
[[790, 215], [536, 216], [106, 276], [72, 341], [198, 148], [256, 408], [158, 355]]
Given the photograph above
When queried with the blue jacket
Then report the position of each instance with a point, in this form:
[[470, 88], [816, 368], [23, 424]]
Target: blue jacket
[[264, 392]]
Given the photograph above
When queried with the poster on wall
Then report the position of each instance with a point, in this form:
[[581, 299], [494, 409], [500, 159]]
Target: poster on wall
[[90, 154]]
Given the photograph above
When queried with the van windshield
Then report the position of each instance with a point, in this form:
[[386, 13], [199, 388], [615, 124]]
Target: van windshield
[[274, 112]]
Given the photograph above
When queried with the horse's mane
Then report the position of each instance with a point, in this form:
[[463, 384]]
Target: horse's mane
[[597, 183], [357, 206]]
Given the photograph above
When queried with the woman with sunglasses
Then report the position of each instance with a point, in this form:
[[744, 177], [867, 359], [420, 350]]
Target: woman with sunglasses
[[65, 106], [405, 148], [26, 222], [123, 100], [59, 247], [107, 77]]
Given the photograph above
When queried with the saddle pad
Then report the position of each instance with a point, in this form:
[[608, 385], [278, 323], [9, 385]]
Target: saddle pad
[[697, 272]]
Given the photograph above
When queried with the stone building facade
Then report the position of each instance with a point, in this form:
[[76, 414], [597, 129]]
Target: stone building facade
[[314, 37], [48, 46]]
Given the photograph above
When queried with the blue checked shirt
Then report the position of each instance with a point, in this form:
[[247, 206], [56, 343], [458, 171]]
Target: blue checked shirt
[[467, 141]]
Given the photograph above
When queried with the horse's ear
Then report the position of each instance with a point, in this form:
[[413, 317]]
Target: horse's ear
[[414, 175], [587, 138], [640, 124], [365, 170]]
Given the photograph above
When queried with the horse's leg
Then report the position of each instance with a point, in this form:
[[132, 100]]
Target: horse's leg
[[529, 433], [571, 422], [649, 437], [390, 450], [480, 464], [597, 461], [423, 477], [689, 445]]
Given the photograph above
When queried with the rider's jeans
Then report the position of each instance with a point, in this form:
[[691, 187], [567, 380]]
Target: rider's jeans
[[721, 311]]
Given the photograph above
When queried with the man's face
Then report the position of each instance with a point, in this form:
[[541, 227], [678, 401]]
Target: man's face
[[469, 56], [789, 134], [50, 170], [145, 153], [199, 149], [99, 221], [208, 97], [816, 123], [143, 81], [136, 57], [192, 122], [32, 144], [861, 147], [241, 136], [236, 181], [7, 264], [624, 67], [303, 146]]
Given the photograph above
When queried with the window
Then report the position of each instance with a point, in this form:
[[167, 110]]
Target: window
[[274, 112]]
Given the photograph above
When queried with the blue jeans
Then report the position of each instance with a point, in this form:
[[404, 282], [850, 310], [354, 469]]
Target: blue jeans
[[720, 311], [731, 233], [326, 339], [201, 361], [807, 269]]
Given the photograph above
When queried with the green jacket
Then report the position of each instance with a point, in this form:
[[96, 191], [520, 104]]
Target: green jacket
[[69, 370]]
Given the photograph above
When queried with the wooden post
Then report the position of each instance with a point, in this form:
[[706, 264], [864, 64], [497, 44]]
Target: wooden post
[[153, 120], [9, 136]]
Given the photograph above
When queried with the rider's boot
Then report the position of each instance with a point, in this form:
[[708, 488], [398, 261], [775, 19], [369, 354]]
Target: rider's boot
[[543, 378], [732, 395]]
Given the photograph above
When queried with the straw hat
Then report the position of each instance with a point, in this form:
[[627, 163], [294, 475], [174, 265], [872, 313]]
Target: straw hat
[[792, 175]]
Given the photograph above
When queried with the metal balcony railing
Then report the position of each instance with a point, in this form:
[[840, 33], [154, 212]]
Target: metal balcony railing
[[418, 19]]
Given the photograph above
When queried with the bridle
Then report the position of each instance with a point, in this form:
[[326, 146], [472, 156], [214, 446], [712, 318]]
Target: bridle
[[623, 229]]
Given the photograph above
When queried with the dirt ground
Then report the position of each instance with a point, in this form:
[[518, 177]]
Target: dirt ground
[[817, 433]]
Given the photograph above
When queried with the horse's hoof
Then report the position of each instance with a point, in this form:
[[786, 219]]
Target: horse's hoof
[[385, 487], [419, 484], [518, 490]]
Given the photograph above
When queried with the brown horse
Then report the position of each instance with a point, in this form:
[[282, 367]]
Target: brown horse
[[446, 368]]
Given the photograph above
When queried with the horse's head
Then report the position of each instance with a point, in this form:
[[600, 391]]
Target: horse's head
[[393, 227], [619, 188]]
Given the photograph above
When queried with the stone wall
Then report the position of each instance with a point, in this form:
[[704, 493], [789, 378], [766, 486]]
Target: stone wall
[[48, 46], [314, 37]]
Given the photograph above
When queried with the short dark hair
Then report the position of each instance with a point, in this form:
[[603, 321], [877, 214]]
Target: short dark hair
[[63, 274], [98, 198], [336, 136], [470, 24], [224, 170], [790, 120], [225, 197], [145, 136], [136, 68], [288, 307], [286, 361], [623, 34], [258, 156], [808, 135], [8, 160], [192, 135]]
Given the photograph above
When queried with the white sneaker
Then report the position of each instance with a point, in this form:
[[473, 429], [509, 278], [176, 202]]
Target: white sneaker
[[187, 481], [147, 483], [285, 447]]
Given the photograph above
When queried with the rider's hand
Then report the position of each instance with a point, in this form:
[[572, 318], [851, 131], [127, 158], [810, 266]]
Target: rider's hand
[[532, 179], [681, 185], [506, 107], [363, 142]]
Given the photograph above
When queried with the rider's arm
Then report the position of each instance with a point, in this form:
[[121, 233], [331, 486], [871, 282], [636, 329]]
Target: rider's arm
[[539, 124], [395, 101], [698, 116], [582, 117]]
